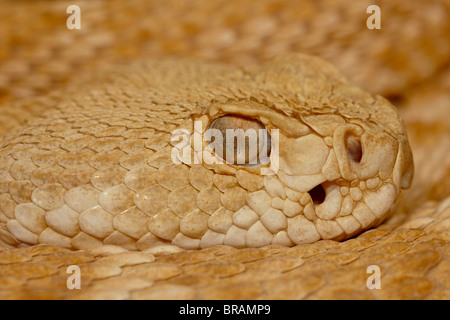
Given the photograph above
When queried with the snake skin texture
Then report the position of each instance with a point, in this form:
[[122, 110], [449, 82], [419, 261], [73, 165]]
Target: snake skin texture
[[85, 157], [98, 168]]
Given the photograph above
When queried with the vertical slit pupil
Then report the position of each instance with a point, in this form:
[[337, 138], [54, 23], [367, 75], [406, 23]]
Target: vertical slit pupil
[[317, 194]]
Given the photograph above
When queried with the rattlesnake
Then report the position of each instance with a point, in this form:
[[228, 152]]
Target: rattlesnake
[[90, 165], [98, 168]]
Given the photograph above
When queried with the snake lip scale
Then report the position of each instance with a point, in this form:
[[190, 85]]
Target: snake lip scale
[[95, 168]]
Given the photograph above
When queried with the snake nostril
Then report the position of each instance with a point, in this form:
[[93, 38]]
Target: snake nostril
[[317, 194], [354, 148]]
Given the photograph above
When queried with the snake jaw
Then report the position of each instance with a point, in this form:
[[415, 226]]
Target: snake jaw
[[345, 181]]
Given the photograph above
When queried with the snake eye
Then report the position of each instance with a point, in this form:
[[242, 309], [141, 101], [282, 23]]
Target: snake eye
[[239, 140], [354, 149]]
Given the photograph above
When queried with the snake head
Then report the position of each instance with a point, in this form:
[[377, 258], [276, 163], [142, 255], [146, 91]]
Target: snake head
[[98, 166], [339, 160]]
